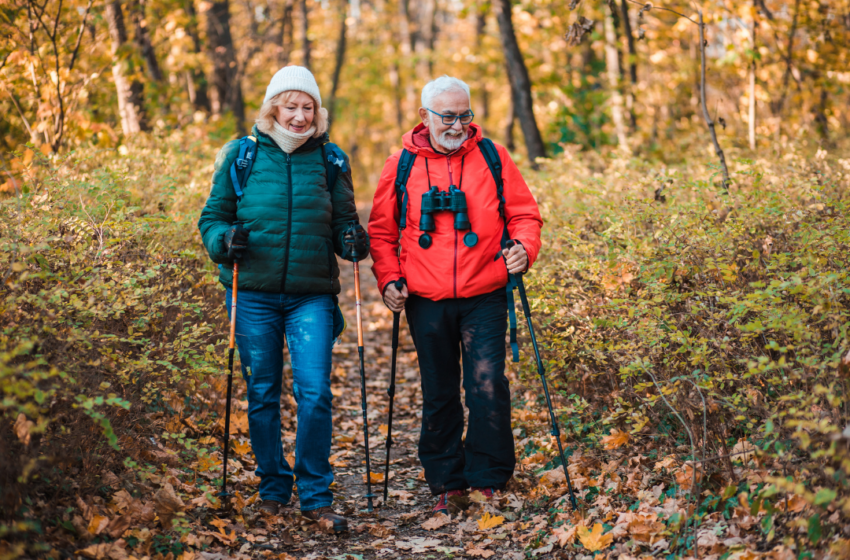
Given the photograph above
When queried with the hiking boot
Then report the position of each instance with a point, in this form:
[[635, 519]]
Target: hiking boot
[[443, 501], [272, 507], [339, 522], [488, 492]]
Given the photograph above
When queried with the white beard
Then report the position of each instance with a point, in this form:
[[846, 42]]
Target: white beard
[[446, 140]]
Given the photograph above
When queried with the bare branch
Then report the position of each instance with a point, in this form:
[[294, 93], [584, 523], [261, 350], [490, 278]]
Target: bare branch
[[649, 6], [80, 35]]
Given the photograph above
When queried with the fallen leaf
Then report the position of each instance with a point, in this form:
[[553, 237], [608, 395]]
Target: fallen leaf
[[483, 553], [616, 439], [326, 525], [123, 500], [594, 540], [23, 427], [553, 478], [477, 496], [242, 447], [106, 551], [436, 521], [375, 476], [565, 535], [97, 524], [488, 521], [167, 504], [118, 525]]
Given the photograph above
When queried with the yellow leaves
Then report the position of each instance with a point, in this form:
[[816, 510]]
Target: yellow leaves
[[488, 521], [477, 497], [242, 447], [207, 463], [97, 524], [594, 540], [615, 439], [239, 423], [376, 477]]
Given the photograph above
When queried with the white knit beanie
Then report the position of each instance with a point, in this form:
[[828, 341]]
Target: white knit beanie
[[294, 78]]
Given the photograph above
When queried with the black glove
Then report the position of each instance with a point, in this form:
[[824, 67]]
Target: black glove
[[355, 243], [236, 241]]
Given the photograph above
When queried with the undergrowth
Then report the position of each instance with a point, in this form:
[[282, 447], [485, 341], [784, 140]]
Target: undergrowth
[[680, 319]]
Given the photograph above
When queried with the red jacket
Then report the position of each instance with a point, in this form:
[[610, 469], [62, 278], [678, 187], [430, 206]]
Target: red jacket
[[450, 269]]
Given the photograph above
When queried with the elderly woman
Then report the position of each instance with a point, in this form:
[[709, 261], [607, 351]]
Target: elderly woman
[[290, 223]]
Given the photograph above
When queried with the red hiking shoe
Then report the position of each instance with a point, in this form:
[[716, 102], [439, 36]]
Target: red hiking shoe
[[488, 492], [443, 501]]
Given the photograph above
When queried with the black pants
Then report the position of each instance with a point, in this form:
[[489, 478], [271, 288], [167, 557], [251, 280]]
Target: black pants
[[440, 330]]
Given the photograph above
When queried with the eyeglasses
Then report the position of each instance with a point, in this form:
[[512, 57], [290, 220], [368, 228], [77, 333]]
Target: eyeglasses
[[449, 120]]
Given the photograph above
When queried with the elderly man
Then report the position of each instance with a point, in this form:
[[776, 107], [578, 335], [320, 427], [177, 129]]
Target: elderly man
[[445, 208]]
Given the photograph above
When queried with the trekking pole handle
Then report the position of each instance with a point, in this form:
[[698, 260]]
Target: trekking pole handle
[[509, 244]]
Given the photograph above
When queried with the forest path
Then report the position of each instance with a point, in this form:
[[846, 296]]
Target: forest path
[[394, 529]]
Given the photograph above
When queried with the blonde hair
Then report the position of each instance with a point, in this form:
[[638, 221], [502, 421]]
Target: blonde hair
[[268, 113]]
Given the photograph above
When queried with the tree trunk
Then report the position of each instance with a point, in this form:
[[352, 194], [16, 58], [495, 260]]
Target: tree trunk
[[406, 42], [143, 40], [613, 67], [752, 90], [287, 33], [821, 120], [708, 120], [225, 69], [520, 83], [196, 81], [632, 62], [130, 92], [424, 39], [509, 125], [340, 59], [305, 30], [483, 108]]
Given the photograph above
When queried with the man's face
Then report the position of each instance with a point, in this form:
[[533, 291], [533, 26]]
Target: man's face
[[447, 137]]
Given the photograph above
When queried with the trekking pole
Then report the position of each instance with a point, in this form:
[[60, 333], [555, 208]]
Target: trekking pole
[[223, 494], [399, 284], [355, 260], [540, 370]]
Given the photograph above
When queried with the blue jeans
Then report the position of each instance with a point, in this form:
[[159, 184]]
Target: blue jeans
[[262, 321]]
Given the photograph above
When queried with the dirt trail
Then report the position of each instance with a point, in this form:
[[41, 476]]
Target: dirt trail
[[392, 530]]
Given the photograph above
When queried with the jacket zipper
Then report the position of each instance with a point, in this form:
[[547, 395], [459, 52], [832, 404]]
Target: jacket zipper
[[451, 182], [288, 224]]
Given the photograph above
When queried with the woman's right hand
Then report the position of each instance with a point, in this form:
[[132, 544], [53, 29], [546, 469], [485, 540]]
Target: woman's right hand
[[236, 241], [395, 298]]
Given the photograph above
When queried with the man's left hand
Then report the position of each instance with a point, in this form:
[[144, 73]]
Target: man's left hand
[[516, 259]]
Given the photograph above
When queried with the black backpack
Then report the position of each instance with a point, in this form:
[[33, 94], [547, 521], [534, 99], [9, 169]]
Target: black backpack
[[335, 162], [494, 163]]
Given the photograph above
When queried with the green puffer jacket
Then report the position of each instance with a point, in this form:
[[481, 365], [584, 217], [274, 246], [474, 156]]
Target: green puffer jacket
[[296, 223]]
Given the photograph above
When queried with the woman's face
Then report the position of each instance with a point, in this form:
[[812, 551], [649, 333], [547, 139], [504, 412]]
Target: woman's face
[[296, 114]]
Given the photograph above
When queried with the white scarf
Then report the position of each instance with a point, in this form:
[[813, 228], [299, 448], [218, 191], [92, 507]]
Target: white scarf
[[287, 140]]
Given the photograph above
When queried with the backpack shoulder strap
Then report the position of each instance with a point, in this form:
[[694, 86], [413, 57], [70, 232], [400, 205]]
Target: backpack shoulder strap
[[241, 167], [494, 163], [405, 166], [336, 162]]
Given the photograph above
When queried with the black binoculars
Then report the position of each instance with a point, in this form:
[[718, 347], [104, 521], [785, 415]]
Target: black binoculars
[[453, 200]]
